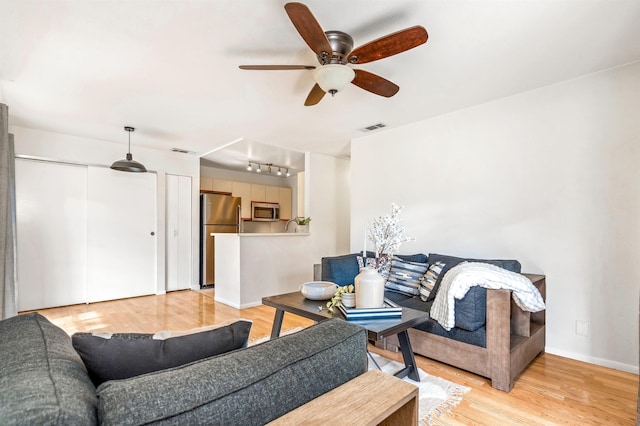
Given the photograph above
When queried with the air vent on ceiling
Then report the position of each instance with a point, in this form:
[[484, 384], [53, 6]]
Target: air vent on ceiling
[[373, 127], [182, 151]]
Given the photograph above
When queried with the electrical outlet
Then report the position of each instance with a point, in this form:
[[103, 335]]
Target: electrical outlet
[[582, 328]]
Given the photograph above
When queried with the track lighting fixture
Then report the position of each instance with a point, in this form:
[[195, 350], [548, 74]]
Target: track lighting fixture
[[270, 168]]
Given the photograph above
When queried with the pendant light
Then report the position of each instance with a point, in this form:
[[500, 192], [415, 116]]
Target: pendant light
[[129, 164]]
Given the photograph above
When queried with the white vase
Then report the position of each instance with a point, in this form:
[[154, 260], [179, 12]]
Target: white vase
[[369, 288], [349, 300]]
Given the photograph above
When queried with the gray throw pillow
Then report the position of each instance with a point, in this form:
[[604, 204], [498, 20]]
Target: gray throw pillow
[[123, 355]]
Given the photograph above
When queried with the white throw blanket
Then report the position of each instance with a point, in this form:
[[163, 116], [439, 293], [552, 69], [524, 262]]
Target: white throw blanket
[[459, 279]]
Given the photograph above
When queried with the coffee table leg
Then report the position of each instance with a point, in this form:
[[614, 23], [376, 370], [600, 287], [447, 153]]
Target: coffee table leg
[[277, 323], [410, 368]]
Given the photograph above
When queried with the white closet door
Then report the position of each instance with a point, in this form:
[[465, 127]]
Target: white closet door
[[121, 234], [51, 215], [179, 236]]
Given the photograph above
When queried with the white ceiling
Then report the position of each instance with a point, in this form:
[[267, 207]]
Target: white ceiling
[[170, 68]]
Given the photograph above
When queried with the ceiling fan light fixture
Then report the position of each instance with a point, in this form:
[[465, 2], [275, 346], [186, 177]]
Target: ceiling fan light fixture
[[333, 77], [129, 164]]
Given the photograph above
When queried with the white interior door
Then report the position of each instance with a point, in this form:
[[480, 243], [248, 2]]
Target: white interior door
[[179, 254], [51, 216], [121, 234]]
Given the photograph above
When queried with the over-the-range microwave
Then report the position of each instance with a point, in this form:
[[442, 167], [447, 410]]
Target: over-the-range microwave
[[265, 212]]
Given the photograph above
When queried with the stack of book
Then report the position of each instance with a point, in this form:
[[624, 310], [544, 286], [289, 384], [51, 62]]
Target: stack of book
[[388, 311]]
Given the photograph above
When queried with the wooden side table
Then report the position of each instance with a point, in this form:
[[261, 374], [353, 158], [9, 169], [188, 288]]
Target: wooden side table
[[359, 402]]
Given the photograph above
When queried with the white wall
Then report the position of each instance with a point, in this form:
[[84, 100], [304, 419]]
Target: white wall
[[549, 177], [73, 149]]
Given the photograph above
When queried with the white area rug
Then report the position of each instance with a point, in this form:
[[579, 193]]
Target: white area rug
[[437, 396]]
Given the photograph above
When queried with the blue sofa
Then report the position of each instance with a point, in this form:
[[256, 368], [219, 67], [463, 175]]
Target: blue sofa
[[492, 337]]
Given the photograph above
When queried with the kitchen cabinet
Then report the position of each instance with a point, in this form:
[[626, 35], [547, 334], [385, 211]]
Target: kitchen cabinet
[[272, 194], [258, 192], [221, 185], [178, 232], [285, 203], [243, 190], [206, 183], [249, 192]]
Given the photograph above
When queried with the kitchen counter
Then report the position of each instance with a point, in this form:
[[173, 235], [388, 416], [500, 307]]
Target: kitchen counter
[[251, 266]]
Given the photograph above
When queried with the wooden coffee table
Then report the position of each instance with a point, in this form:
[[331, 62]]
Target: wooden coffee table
[[296, 303]]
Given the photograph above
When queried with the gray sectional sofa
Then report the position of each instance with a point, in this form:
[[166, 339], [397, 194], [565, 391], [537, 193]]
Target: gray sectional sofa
[[492, 336], [44, 380]]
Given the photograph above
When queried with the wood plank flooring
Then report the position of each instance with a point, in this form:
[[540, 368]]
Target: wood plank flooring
[[553, 390]]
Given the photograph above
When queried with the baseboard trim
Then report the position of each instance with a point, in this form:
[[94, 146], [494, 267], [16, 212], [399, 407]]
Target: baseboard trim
[[629, 368]]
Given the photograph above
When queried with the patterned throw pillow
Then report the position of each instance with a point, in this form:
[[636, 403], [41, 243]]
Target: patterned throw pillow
[[429, 279], [404, 277]]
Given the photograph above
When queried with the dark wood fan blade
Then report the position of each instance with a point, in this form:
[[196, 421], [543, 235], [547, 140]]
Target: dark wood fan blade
[[389, 45], [308, 27], [315, 95], [277, 67], [375, 84]]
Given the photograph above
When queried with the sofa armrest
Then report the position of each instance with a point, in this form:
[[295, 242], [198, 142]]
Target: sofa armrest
[[248, 386], [509, 328]]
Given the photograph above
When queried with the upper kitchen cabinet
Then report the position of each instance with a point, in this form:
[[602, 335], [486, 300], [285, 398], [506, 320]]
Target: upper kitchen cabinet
[[206, 183], [272, 194], [286, 199], [243, 190], [221, 185], [258, 192]]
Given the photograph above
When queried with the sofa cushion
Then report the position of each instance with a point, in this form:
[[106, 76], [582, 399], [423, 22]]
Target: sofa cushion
[[43, 378], [477, 337], [471, 310], [451, 261], [341, 269], [249, 386], [124, 355], [404, 276]]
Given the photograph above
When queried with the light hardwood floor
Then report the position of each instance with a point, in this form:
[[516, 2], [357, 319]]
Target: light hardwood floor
[[553, 390]]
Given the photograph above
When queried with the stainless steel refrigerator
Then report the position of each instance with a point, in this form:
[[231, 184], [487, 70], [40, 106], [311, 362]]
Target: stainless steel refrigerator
[[221, 214]]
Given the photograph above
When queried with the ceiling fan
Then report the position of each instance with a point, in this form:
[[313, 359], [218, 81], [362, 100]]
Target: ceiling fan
[[334, 50]]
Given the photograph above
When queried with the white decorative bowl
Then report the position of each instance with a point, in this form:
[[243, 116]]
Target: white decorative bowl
[[318, 290]]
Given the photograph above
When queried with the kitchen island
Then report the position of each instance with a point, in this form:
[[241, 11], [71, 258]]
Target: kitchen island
[[252, 266]]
